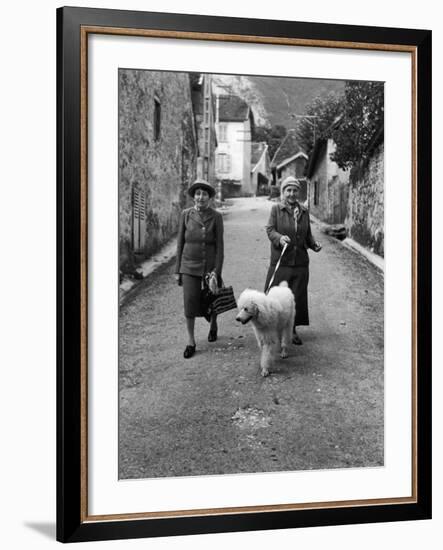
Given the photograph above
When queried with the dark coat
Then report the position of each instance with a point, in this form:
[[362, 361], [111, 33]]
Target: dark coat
[[200, 242], [281, 222]]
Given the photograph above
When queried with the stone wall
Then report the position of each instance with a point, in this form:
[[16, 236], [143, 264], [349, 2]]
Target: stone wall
[[365, 219], [159, 163], [319, 202]]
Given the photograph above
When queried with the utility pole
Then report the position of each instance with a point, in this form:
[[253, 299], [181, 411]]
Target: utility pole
[[312, 119]]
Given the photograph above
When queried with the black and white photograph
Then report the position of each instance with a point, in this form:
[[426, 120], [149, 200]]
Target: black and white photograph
[[220, 230], [251, 274]]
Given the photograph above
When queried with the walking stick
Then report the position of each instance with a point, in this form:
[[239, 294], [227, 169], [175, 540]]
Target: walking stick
[[285, 246]]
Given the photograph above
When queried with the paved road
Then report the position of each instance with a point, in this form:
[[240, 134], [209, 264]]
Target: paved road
[[320, 408]]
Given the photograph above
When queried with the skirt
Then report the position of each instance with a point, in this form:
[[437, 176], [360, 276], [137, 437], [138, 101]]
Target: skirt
[[297, 279], [192, 287]]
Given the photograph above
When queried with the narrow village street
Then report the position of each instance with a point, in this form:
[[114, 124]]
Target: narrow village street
[[321, 408]]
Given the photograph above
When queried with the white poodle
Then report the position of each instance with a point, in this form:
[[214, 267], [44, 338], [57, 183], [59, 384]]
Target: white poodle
[[272, 317]]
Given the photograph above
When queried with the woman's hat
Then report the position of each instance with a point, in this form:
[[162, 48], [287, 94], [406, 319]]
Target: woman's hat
[[201, 184], [290, 180]]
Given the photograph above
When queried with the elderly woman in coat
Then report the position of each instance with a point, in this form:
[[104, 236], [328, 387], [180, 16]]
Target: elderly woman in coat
[[289, 224], [199, 251]]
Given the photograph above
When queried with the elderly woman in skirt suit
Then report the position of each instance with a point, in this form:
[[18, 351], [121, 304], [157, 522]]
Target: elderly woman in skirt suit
[[199, 251], [289, 224]]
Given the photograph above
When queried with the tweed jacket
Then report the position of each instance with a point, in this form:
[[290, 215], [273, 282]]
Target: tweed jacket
[[281, 222], [200, 242]]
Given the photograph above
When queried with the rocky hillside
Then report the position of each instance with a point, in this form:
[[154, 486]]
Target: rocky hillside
[[274, 99]]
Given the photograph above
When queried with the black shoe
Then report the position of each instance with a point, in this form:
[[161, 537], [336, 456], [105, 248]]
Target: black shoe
[[296, 339], [189, 352], [212, 336]]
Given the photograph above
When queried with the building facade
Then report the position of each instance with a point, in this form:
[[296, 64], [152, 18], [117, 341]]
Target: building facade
[[290, 160], [158, 152], [234, 125], [328, 184], [353, 198], [203, 104]]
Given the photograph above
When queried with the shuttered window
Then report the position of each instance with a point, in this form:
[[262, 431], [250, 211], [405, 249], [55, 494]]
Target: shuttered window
[[224, 162], [138, 220], [222, 132]]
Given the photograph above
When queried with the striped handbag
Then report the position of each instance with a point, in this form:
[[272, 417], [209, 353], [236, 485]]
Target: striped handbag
[[218, 298], [223, 300]]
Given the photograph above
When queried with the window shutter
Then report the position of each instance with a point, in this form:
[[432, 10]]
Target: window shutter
[[138, 220]]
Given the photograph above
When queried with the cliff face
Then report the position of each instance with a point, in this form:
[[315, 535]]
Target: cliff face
[[245, 88], [274, 99]]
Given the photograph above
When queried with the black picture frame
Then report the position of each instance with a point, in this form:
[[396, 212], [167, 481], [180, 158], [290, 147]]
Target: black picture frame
[[73, 523]]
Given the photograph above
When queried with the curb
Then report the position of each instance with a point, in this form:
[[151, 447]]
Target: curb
[[350, 244], [375, 259], [157, 260], [146, 268]]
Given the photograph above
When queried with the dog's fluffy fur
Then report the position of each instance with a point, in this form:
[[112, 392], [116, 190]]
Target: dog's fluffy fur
[[272, 317]]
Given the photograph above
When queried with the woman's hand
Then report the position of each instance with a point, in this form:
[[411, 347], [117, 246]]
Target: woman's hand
[[317, 246], [284, 239], [178, 278]]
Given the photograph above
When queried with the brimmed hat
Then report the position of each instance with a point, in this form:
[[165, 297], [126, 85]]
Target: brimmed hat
[[201, 184], [290, 180]]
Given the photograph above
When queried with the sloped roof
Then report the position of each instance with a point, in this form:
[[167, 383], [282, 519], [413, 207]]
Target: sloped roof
[[319, 148], [232, 109], [257, 151], [288, 149]]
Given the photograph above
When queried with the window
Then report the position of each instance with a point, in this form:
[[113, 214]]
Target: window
[[222, 132], [224, 162], [157, 119]]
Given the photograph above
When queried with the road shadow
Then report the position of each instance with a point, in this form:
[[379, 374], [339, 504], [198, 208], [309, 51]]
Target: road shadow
[[46, 529]]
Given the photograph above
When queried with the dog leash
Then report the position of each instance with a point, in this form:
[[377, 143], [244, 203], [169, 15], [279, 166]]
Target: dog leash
[[285, 246]]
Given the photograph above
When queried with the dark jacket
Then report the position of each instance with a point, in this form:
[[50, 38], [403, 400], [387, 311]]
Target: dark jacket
[[281, 222], [200, 242]]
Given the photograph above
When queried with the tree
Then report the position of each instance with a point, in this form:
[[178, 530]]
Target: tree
[[326, 110], [362, 118], [272, 136]]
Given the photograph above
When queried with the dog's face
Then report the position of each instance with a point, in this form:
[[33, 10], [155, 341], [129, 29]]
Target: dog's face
[[247, 310]]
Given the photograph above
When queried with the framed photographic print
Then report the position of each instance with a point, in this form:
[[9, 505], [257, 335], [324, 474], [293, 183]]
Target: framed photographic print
[[244, 274]]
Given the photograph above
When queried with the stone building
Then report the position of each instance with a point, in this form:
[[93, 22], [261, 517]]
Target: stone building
[[290, 160], [354, 198], [162, 143], [203, 105], [328, 184], [234, 125]]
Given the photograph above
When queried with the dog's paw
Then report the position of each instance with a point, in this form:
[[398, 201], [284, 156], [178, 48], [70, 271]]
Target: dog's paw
[[264, 373], [284, 353]]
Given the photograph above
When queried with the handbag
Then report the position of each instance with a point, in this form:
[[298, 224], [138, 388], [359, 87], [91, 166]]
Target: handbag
[[216, 299], [223, 300]]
